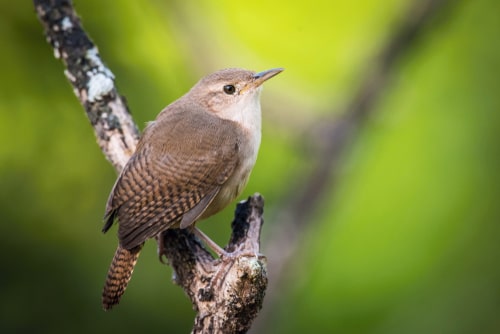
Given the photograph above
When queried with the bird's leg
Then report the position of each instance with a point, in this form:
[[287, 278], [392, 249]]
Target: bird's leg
[[211, 244]]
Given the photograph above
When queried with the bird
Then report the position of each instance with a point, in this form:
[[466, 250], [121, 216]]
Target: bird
[[191, 162]]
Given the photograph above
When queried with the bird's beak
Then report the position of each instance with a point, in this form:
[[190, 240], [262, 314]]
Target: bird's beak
[[265, 75], [260, 77]]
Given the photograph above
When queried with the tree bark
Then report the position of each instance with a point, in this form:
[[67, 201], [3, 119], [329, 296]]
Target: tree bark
[[226, 293]]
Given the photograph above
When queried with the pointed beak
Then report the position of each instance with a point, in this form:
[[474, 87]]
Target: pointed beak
[[265, 75], [259, 78]]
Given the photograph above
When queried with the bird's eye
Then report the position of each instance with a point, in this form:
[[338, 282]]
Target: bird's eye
[[229, 89]]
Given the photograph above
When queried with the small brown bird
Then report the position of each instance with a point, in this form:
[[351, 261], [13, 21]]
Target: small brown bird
[[190, 163]]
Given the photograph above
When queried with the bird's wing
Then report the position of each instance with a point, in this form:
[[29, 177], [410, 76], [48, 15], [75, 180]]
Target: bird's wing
[[178, 168]]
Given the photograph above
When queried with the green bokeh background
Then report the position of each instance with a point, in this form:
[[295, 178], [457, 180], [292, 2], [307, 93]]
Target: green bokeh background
[[408, 240]]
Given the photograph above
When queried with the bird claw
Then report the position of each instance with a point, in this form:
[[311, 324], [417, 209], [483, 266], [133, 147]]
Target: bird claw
[[230, 256], [161, 250]]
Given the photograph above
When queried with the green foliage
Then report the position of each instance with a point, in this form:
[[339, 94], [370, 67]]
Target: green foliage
[[407, 242]]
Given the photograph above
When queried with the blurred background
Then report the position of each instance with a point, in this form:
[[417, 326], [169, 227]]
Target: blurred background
[[379, 163]]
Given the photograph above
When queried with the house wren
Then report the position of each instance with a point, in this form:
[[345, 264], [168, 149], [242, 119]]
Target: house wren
[[190, 163]]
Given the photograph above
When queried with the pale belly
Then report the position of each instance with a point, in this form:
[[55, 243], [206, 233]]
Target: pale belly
[[236, 182], [228, 193]]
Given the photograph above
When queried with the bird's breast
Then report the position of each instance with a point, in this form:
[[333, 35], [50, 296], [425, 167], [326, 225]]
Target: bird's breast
[[233, 187]]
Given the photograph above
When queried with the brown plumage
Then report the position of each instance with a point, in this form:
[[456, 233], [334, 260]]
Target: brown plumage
[[190, 163], [119, 275]]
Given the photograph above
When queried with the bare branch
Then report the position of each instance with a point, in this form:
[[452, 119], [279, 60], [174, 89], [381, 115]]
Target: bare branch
[[227, 295], [93, 82]]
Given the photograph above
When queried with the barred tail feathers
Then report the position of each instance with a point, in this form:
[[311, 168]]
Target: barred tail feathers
[[119, 274]]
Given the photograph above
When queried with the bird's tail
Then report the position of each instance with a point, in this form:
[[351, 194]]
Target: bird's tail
[[119, 274]]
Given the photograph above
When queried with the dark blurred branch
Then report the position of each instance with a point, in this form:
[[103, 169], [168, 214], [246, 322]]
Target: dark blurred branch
[[228, 293], [334, 135]]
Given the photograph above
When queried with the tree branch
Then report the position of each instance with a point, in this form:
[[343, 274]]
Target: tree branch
[[93, 83], [227, 293]]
